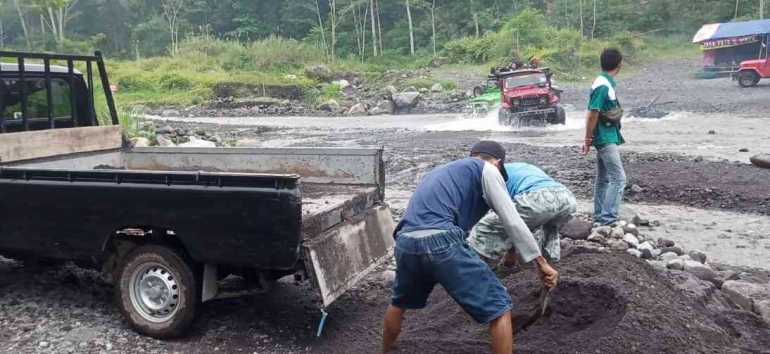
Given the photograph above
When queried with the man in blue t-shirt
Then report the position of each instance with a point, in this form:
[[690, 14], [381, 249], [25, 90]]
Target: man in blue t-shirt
[[431, 245], [540, 201]]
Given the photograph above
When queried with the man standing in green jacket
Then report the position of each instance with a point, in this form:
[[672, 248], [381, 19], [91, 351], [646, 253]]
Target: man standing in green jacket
[[604, 135]]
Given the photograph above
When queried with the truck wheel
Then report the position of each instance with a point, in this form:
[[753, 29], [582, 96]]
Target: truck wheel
[[502, 117], [479, 90], [748, 79], [157, 291], [561, 115]]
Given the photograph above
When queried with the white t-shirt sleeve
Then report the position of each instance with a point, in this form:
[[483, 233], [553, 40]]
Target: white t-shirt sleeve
[[497, 197]]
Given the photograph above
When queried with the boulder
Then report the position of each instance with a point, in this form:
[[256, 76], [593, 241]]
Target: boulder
[[319, 72], [195, 142], [745, 294], [703, 272], [646, 246], [631, 230], [634, 252], [423, 90], [140, 142], [391, 89], [358, 109], [597, 238], [329, 106], [605, 231], [406, 100], [658, 265], [165, 130], [437, 62], [631, 240], [170, 113], [635, 189], [618, 245], [343, 84], [675, 264], [762, 308], [664, 242], [761, 160], [677, 250], [164, 141], [577, 229], [668, 256], [697, 256], [437, 87], [617, 232], [410, 89], [387, 107], [388, 276]]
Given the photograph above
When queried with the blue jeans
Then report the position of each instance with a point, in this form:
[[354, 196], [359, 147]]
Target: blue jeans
[[445, 258], [610, 183]]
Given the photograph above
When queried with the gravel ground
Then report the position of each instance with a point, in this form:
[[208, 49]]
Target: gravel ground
[[66, 309]]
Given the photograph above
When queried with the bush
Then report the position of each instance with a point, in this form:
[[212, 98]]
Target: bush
[[471, 50], [175, 81]]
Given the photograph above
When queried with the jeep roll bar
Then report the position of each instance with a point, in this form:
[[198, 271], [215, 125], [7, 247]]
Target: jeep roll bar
[[22, 57]]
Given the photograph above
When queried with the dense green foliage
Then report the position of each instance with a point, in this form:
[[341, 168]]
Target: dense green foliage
[[141, 28]]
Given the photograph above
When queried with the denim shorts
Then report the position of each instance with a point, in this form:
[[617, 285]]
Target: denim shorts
[[445, 258]]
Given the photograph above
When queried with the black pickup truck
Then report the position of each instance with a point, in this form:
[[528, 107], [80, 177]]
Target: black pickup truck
[[167, 225]]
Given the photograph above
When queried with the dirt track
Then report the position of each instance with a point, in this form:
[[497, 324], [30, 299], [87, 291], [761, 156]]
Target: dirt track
[[607, 303]]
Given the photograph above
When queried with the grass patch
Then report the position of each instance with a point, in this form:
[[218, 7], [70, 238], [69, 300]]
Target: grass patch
[[428, 82]]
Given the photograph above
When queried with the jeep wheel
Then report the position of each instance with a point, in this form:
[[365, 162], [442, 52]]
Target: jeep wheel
[[502, 117], [748, 79], [479, 90], [156, 291], [561, 115]]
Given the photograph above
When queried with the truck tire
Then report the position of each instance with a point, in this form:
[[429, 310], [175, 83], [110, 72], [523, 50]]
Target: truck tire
[[748, 79], [479, 90], [561, 115], [502, 117], [157, 291]]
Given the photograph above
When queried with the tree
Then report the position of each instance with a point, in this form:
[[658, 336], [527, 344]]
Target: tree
[[171, 10], [411, 28], [433, 25], [58, 12], [23, 22], [475, 18], [374, 26]]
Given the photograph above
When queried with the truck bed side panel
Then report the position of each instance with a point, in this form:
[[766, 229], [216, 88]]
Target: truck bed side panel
[[228, 225]]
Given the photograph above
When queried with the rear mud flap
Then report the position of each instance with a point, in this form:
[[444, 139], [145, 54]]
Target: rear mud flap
[[337, 259]]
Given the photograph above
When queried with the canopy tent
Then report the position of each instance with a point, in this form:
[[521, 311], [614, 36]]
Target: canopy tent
[[731, 30]]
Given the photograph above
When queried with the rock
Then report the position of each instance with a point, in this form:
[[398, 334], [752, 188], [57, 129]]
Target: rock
[[618, 245], [676, 250], [634, 252], [388, 276], [410, 89], [437, 62], [108, 346], [646, 246], [424, 90], [391, 89], [387, 107], [577, 229], [617, 232], [699, 159], [290, 77], [711, 132], [140, 142], [437, 87], [762, 308], [248, 143], [668, 256], [664, 242], [605, 231], [198, 143], [675, 264], [745, 294], [343, 84], [631, 240], [43, 344], [698, 256], [635, 189], [165, 130], [743, 150], [623, 223], [597, 238], [329, 106], [647, 254], [631, 230], [731, 275], [319, 72], [358, 109], [658, 265], [762, 160], [164, 141], [170, 113], [406, 100]]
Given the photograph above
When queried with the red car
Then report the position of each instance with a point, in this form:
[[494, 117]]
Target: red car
[[528, 98], [751, 72]]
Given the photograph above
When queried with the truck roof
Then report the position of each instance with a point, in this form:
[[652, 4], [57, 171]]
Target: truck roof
[[36, 68]]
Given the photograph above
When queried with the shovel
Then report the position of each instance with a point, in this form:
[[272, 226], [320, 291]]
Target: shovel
[[528, 316]]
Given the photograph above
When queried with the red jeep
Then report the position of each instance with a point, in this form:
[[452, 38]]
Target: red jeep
[[528, 97], [751, 71]]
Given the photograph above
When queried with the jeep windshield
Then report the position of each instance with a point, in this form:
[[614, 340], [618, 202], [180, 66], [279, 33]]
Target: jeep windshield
[[525, 80]]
